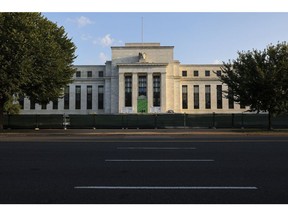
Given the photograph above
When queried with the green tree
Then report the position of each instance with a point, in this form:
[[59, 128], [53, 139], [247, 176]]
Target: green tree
[[10, 107], [36, 58], [259, 79]]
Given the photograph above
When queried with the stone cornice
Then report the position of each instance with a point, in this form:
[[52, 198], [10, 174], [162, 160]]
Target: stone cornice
[[81, 66], [200, 65], [142, 47], [192, 79], [141, 64]]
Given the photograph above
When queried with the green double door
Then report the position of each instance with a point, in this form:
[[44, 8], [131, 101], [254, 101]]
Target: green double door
[[142, 104]]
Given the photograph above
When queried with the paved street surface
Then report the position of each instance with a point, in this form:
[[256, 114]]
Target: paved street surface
[[200, 168]]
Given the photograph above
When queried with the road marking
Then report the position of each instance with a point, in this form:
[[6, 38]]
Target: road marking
[[166, 188], [156, 148], [149, 160]]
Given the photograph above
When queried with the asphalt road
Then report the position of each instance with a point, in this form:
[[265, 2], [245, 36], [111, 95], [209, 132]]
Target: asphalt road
[[142, 169]]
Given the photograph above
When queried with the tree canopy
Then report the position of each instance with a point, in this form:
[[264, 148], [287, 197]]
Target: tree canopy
[[259, 79], [36, 58]]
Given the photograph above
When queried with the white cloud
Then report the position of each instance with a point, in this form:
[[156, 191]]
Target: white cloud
[[217, 61], [107, 41], [86, 37], [81, 21], [103, 58]]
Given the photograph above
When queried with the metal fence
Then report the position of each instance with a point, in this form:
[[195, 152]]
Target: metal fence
[[213, 120]]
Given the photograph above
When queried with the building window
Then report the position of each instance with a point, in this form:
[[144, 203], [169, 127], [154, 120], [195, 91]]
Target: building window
[[55, 105], [89, 97], [196, 97], [100, 97], [219, 96], [32, 104], [89, 73], [184, 97], [218, 73], [184, 73], [66, 97], [44, 106], [100, 74], [196, 73], [156, 91], [21, 102], [207, 73], [207, 96], [78, 73], [142, 86], [230, 99], [128, 91], [78, 97]]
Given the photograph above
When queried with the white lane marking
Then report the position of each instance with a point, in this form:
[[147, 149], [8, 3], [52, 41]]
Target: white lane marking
[[134, 160], [166, 188], [156, 148]]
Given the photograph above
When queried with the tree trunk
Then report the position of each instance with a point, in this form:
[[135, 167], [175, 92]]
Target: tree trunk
[[269, 120], [1, 113]]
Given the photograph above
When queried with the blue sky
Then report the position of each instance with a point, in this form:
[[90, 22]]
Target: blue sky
[[199, 38]]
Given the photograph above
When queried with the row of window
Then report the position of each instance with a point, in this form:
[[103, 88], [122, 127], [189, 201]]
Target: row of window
[[142, 89], [196, 73], [89, 74], [196, 98], [89, 99]]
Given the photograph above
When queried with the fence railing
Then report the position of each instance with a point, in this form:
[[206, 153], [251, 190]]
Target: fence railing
[[213, 120]]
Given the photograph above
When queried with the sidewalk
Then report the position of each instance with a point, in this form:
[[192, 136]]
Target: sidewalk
[[140, 132]]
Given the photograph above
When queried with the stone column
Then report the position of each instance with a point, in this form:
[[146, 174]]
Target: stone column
[[190, 98], [213, 93], [150, 91], [83, 99], [202, 98], [134, 92], [107, 96], [121, 92]]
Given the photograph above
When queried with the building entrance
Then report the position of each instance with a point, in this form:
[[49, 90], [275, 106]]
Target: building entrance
[[142, 104]]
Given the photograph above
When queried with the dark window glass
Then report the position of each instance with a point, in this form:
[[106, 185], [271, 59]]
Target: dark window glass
[[196, 73], [44, 106], [218, 72], [207, 96], [21, 102], [184, 97], [196, 97], [78, 74], [55, 105], [32, 104], [100, 97], [230, 99], [89, 97], [100, 74], [156, 91], [207, 73], [128, 91], [66, 97], [184, 73], [142, 86], [89, 73], [78, 97], [219, 96]]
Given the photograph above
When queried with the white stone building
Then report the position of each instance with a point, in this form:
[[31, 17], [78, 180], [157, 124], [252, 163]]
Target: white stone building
[[141, 78]]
